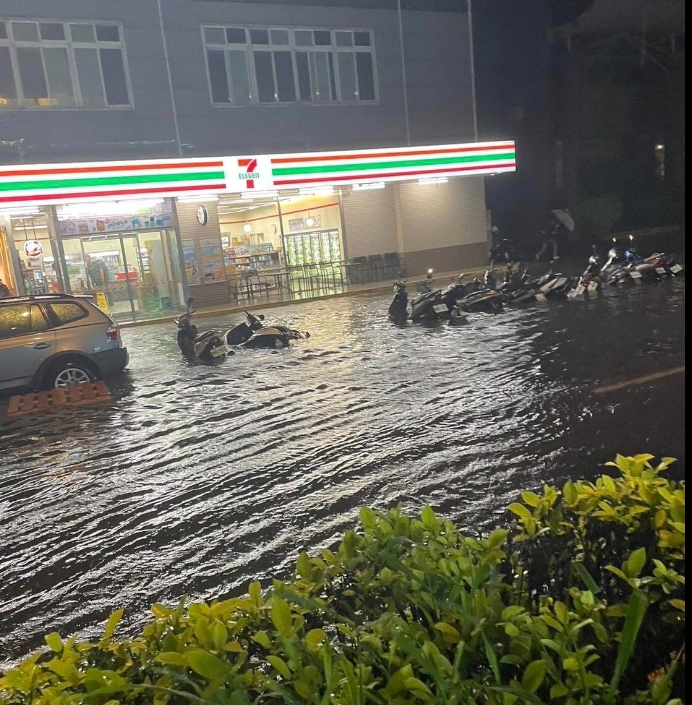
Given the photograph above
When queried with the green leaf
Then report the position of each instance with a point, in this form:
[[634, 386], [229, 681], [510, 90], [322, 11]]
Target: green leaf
[[636, 562], [534, 674], [112, 624], [280, 666], [368, 518], [255, 592], [262, 639], [303, 566], [570, 664], [636, 609], [497, 538], [54, 642], [428, 517], [416, 684], [449, 633], [281, 616], [531, 498], [492, 659], [172, 658], [206, 664], [579, 569], [314, 638], [559, 690], [570, 492], [160, 611], [678, 604], [219, 635], [520, 510]]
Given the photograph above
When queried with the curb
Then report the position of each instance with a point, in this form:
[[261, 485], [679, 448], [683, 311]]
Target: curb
[[211, 312]]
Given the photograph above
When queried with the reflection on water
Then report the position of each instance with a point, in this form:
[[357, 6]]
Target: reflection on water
[[197, 478]]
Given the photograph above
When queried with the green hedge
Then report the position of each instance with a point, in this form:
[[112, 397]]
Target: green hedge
[[580, 600]]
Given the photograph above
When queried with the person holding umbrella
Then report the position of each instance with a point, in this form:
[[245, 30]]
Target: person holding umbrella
[[562, 221]]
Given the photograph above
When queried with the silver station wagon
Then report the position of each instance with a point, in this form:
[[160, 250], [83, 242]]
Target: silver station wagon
[[55, 340]]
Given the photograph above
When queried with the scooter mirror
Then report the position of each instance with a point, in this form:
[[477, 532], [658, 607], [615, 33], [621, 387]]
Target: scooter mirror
[[261, 316]]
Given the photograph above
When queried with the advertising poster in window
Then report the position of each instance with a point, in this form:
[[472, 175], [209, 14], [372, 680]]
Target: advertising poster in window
[[212, 260], [157, 215], [191, 264]]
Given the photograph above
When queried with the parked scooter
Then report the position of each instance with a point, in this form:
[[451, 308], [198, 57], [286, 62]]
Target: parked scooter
[[554, 285], [615, 270], [207, 346], [590, 280], [435, 304], [519, 289], [398, 309], [291, 333], [477, 296]]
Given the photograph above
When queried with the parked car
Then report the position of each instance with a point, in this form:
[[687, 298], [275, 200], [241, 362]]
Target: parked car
[[55, 340]]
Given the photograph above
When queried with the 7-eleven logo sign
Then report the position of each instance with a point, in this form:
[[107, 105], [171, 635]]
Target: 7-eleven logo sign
[[248, 171]]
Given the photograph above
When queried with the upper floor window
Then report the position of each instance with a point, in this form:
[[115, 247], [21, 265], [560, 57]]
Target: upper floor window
[[265, 66], [62, 65]]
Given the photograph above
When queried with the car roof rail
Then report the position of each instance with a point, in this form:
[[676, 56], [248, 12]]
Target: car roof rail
[[38, 297]]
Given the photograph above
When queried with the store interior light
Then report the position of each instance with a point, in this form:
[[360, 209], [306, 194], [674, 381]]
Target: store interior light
[[368, 187], [72, 211], [436, 180], [309, 221], [21, 212], [327, 191], [201, 198], [247, 228]]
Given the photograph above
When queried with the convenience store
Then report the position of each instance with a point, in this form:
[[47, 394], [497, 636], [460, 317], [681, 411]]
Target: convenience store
[[143, 235]]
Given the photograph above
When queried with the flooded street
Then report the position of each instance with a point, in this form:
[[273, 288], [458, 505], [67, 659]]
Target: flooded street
[[196, 478]]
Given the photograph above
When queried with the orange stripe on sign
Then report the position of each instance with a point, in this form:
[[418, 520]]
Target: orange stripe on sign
[[378, 155], [116, 168]]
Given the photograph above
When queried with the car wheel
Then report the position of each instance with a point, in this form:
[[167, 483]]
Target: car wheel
[[69, 373]]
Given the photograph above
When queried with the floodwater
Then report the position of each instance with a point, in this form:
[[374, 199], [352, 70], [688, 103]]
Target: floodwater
[[197, 479]]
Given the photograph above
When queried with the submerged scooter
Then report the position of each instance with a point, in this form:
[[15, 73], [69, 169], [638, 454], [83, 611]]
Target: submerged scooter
[[252, 334], [207, 346], [214, 344], [590, 280], [398, 309]]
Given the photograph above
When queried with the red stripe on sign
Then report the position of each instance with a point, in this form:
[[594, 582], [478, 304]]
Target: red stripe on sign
[[120, 167], [368, 177], [107, 194], [413, 153]]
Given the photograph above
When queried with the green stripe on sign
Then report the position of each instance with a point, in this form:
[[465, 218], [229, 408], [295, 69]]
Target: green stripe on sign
[[374, 166], [112, 181]]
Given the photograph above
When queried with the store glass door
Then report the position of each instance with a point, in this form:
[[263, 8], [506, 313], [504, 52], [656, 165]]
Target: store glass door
[[133, 276]]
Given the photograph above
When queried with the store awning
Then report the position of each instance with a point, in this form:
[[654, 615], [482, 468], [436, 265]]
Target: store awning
[[46, 184]]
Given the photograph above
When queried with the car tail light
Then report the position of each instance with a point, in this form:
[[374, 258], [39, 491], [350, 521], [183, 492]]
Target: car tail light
[[113, 333]]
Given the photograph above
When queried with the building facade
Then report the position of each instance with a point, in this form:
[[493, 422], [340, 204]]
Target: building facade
[[135, 82]]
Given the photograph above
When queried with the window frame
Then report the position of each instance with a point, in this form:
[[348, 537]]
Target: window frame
[[69, 45], [248, 48], [53, 318], [29, 305]]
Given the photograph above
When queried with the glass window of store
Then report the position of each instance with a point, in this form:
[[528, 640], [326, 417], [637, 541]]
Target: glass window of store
[[251, 235], [124, 253], [35, 259], [312, 228]]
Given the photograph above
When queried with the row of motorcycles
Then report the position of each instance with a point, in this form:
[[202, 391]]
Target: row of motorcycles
[[486, 295], [216, 344]]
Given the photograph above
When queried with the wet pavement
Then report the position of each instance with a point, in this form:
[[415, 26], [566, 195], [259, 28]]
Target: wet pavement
[[197, 478]]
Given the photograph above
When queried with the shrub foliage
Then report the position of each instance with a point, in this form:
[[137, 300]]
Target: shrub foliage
[[580, 600]]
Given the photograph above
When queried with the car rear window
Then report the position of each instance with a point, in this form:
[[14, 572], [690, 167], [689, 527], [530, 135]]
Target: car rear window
[[67, 312], [21, 319]]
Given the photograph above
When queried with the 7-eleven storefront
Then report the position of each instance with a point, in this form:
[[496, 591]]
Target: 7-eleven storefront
[[144, 235]]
